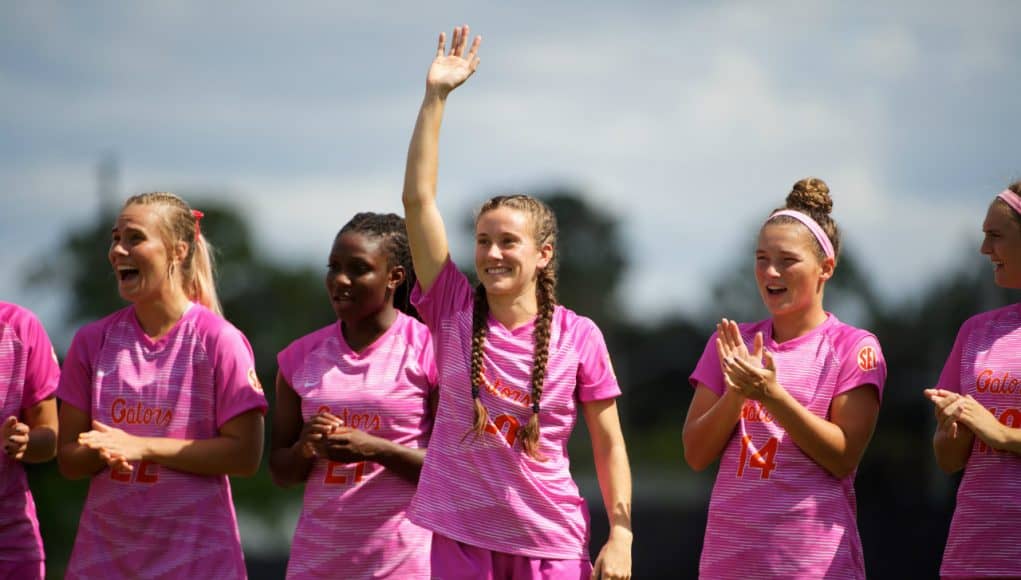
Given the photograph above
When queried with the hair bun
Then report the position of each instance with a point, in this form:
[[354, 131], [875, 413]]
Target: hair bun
[[810, 195]]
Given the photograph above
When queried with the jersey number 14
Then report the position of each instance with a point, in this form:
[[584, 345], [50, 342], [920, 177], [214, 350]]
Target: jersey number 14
[[763, 459]]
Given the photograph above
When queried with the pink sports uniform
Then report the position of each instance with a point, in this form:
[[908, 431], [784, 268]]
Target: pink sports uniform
[[485, 491], [156, 521], [984, 363], [774, 511], [28, 375], [353, 521]]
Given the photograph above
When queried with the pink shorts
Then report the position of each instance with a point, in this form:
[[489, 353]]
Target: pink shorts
[[20, 570], [453, 560]]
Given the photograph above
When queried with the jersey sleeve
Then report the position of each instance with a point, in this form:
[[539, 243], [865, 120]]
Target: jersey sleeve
[[708, 371], [596, 378], [42, 373], [863, 365], [450, 293], [75, 384], [237, 385], [427, 362]]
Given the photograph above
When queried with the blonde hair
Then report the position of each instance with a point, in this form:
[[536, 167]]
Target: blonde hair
[[544, 231], [179, 223]]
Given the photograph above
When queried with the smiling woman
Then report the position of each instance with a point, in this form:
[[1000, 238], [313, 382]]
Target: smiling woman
[[787, 405], [160, 404], [978, 411]]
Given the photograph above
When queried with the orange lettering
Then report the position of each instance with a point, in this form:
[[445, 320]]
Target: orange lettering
[[497, 426], [334, 475], [763, 459]]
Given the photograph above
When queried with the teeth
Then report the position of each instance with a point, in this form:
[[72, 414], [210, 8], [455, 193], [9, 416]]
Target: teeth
[[497, 270]]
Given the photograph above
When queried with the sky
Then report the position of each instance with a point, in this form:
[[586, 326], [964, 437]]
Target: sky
[[687, 121]]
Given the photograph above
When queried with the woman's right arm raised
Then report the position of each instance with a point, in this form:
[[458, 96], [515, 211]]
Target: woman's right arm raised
[[426, 234]]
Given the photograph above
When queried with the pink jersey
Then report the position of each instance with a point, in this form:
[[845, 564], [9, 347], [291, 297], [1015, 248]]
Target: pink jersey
[[28, 375], [353, 521], [156, 521], [485, 491], [984, 363], [775, 512]]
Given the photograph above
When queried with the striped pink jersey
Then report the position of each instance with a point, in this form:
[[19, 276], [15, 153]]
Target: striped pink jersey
[[485, 491], [28, 375], [354, 521], [155, 521], [774, 511], [984, 363]]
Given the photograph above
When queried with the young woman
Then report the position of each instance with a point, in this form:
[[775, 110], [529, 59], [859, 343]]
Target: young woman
[[28, 381], [978, 410], [353, 413], [160, 404], [513, 367], [788, 405]]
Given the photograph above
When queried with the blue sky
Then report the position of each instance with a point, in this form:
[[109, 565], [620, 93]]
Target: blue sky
[[688, 121]]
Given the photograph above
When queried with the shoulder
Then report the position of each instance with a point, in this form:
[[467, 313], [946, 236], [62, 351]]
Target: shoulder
[[21, 319], [1009, 314], [412, 331], [850, 340], [310, 340], [574, 325], [96, 329], [214, 330]]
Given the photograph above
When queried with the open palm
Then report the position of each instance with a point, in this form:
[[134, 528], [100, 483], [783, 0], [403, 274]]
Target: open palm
[[450, 69]]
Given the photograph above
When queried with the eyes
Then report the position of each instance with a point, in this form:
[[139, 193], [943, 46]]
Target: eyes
[[131, 237], [354, 268], [503, 242]]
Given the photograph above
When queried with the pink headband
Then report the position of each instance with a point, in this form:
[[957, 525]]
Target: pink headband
[[814, 227], [1012, 199]]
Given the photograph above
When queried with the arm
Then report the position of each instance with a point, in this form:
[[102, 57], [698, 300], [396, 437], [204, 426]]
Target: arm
[[709, 425], [75, 460], [236, 450], [836, 444], [426, 233], [348, 445], [292, 455], [610, 454], [35, 440], [967, 411]]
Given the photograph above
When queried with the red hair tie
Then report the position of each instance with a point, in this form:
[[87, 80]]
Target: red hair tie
[[198, 216]]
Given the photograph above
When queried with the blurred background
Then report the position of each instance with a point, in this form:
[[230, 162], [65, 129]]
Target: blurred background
[[661, 132]]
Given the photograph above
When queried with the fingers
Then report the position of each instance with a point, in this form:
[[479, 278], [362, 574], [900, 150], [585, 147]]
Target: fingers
[[757, 346], [455, 41], [473, 55], [441, 45], [767, 358], [9, 423]]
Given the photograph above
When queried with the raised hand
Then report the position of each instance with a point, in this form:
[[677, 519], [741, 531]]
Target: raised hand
[[955, 412], [451, 68]]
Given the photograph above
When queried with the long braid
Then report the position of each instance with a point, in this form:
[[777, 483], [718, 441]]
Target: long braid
[[544, 229], [479, 315], [545, 293]]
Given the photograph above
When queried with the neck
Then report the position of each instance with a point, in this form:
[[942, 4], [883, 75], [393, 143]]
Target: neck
[[359, 334], [514, 311], [158, 316], [790, 326]]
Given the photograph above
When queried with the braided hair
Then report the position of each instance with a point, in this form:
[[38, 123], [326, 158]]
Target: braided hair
[[391, 229], [544, 226]]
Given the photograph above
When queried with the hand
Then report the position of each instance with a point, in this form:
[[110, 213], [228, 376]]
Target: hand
[[15, 438], [314, 432], [614, 560], [449, 70], [965, 411], [349, 445], [945, 423], [116, 447], [730, 345]]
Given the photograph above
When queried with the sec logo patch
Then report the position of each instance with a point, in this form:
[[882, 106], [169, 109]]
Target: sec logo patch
[[868, 360], [253, 380]]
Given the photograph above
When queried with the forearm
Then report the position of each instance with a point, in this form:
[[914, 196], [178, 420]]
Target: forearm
[[406, 462], [220, 455], [614, 473], [952, 453], [823, 441], [706, 436], [1007, 439], [289, 467], [422, 167], [42, 445], [76, 461]]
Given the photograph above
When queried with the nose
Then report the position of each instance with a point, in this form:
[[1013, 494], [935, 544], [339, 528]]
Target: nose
[[986, 248], [493, 252]]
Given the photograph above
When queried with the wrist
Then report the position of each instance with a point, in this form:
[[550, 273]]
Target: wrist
[[621, 533]]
